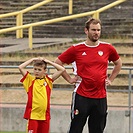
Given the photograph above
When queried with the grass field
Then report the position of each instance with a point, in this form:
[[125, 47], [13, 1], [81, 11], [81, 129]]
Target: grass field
[[11, 132]]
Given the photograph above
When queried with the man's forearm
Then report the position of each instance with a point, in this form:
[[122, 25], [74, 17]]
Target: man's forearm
[[116, 70], [65, 75]]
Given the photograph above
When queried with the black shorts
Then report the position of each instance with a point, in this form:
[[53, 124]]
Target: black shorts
[[83, 108]]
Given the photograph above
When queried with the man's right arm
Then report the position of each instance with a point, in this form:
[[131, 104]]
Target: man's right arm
[[65, 75]]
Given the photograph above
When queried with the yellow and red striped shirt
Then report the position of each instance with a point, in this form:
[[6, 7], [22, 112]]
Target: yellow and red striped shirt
[[38, 90]]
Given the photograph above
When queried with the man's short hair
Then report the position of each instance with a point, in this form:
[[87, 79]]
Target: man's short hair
[[92, 21]]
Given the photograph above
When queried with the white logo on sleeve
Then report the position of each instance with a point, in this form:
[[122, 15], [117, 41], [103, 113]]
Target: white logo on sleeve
[[84, 53], [100, 53]]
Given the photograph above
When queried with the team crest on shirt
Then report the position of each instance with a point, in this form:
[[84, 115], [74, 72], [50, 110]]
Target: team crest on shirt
[[76, 112], [100, 53], [45, 84]]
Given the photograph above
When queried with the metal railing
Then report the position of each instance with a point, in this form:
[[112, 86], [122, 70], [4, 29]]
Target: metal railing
[[129, 69], [19, 18], [19, 14]]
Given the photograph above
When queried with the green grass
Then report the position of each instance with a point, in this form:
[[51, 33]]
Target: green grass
[[11, 132]]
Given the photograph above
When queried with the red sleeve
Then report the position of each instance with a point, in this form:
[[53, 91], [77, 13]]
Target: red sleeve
[[68, 56], [23, 78], [27, 81], [113, 54]]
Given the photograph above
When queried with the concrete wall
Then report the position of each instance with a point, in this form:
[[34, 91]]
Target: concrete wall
[[11, 119]]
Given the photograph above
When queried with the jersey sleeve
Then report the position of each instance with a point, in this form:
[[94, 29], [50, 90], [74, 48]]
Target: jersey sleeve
[[27, 81], [49, 81], [114, 56], [68, 56]]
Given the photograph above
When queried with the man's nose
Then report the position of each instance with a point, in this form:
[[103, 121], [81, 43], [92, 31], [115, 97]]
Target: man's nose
[[97, 31]]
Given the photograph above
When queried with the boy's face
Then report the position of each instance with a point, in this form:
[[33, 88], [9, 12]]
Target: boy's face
[[39, 71]]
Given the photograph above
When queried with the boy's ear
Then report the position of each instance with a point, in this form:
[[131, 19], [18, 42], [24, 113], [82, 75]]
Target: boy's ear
[[45, 70]]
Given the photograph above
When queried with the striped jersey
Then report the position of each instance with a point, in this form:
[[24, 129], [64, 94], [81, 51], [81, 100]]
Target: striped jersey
[[90, 63], [38, 90]]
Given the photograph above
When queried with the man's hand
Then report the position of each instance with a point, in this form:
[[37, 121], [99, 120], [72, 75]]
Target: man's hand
[[74, 80], [108, 82]]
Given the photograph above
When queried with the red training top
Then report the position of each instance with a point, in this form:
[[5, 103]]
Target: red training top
[[90, 63]]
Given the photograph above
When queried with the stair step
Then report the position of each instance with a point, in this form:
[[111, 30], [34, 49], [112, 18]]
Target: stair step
[[118, 17], [19, 62], [62, 86]]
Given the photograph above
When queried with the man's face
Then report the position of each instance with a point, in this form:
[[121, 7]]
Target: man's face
[[94, 32], [39, 71]]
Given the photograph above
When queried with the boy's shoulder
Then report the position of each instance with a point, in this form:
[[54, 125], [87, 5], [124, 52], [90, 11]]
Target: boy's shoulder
[[48, 78]]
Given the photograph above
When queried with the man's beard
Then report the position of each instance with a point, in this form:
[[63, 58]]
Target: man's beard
[[92, 39]]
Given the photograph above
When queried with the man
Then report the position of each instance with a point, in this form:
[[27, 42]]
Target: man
[[90, 60]]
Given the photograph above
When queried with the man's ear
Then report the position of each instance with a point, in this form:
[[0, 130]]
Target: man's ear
[[86, 31]]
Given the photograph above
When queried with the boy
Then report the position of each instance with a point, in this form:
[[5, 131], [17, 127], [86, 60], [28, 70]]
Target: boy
[[38, 88]]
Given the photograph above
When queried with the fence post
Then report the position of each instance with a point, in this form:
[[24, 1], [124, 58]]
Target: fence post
[[19, 22], [70, 6], [96, 15], [129, 99], [30, 37]]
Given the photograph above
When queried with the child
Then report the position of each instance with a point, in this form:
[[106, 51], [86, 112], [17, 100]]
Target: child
[[38, 88]]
